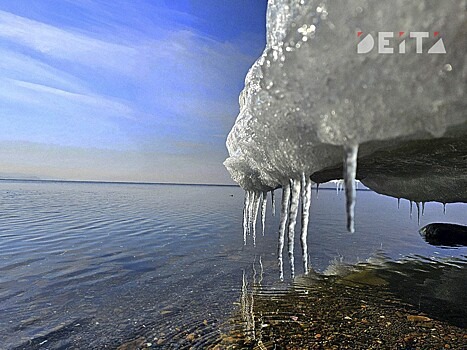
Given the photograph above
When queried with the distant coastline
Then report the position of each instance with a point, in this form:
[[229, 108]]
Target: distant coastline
[[37, 179]]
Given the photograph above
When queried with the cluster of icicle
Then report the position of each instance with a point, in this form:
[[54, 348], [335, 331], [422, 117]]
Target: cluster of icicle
[[296, 195], [418, 204]]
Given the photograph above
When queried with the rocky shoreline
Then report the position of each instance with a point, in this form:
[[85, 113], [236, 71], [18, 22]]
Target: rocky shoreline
[[342, 315]]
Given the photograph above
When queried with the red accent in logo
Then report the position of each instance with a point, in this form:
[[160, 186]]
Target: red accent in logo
[[401, 33], [436, 33], [359, 33]]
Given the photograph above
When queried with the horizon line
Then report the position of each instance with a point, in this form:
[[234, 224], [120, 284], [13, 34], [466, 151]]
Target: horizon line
[[141, 183], [118, 182]]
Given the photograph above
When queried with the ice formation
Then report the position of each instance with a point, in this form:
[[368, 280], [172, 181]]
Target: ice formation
[[311, 100]]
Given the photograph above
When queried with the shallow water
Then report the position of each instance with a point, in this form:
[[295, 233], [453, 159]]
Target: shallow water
[[93, 265]]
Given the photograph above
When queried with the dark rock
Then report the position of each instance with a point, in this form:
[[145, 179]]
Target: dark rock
[[445, 234]]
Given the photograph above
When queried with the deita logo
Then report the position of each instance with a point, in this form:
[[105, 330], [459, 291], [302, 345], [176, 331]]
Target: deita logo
[[390, 42]]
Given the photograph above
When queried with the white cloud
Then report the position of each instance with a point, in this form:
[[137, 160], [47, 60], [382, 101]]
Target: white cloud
[[15, 65], [47, 97], [57, 81], [61, 44]]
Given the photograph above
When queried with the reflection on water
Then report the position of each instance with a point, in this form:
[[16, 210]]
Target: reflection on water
[[408, 304], [93, 266]]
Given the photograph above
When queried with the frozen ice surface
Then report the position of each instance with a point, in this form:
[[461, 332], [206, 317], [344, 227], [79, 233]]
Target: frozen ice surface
[[311, 94], [311, 101]]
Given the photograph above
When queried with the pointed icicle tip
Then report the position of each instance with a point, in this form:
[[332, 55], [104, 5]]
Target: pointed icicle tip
[[273, 203], [245, 215], [306, 201], [398, 203], [294, 203], [350, 172], [251, 198], [418, 212], [263, 210], [257, 197], [283, 226]]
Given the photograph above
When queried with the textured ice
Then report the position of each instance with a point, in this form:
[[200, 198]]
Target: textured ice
[[311, 101], [310, 95]]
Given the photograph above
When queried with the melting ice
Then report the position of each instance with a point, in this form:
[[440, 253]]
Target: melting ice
[[314, 110]]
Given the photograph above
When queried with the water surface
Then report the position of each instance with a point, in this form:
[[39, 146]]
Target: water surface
[[93, 265]]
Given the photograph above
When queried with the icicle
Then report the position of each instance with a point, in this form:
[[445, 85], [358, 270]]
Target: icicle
[[273, 203], [317, 190], [255, 205], [444, 208], [306, 201], [398, 203], [282, 225], [294, 201], [245, 215], [423, 208], [250, 210], [350, 171], [337, 187], [418, 212], [263, 210], [411, 209], [302, 185]]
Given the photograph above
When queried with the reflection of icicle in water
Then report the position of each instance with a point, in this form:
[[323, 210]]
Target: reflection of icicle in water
[[282, 226], [350, 171], [263, 210], [254, 271], [248, 292], [246, 303], [306, 201], [294, 201], [261, 271]]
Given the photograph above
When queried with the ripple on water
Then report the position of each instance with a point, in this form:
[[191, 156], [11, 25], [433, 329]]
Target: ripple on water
[[96, 265]]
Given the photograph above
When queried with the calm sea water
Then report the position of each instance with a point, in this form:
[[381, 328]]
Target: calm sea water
[[93, 265]]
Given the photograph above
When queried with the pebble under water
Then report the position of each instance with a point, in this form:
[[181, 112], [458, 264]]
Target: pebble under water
[[96, 266]]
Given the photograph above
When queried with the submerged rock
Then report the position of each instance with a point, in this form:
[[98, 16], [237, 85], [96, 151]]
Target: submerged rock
[[445, 234]]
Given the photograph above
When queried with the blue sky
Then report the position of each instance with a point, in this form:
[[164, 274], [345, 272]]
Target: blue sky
[[123, 90]]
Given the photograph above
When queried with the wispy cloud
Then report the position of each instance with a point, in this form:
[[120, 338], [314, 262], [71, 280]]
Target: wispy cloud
[[19, 66], [136, 70], [62, 44], [47, 97]]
